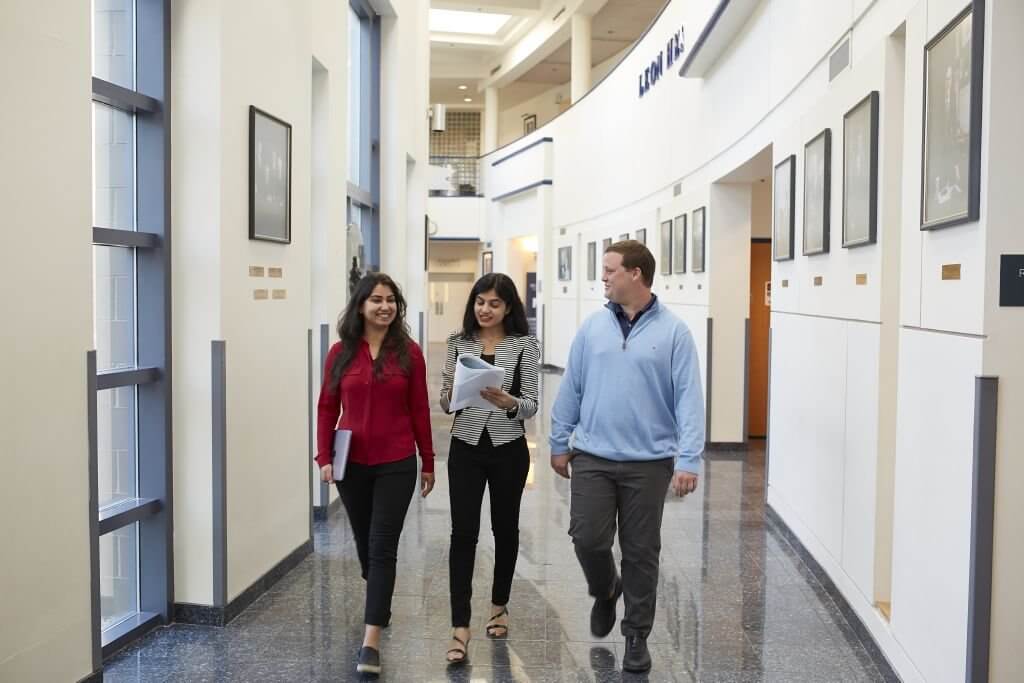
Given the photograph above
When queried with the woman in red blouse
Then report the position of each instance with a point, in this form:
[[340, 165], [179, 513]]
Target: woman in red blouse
[[376, 379]]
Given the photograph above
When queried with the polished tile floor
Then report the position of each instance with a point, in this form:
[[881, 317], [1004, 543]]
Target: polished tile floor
[[736, 603]]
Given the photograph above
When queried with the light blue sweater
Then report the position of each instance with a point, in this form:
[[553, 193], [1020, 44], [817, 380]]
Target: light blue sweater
[[633, 399]]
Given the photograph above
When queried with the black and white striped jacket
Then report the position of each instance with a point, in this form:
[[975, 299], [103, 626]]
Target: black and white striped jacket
[[501, 427]]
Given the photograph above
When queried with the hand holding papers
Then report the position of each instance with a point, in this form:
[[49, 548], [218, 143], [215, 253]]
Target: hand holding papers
[[472, 376]]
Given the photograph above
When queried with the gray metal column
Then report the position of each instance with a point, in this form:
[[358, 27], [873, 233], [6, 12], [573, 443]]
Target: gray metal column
[[325, 346], [311, 426], [983, 493], [707, 388], [94, 510], [219, 481]]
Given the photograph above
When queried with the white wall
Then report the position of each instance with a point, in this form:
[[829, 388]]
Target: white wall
[[45, 633], [458, 217]]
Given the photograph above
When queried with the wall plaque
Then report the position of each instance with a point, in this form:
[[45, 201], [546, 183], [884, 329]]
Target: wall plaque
[[255, 271], [951, 271], [1011, 280], [862, 278], [259, 294], [275, 272], [818, 280], [280, 294]]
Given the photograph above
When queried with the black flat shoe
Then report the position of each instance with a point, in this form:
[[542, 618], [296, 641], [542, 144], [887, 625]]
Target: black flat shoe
[[602, 614], [637, 659], [369, 661]]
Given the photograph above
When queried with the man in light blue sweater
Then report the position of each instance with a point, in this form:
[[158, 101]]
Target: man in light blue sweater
[[632, 407]]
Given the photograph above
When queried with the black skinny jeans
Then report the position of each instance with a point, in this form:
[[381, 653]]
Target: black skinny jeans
[[376, 498], [503, 469]]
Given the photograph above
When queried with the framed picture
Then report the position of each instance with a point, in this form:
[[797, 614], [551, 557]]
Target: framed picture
[[607, 243], [623, 237], [666, 248], [951, 148], [529, 123], [679, 244], [565, 263], [860, 173], [783, 204], [641, 236], [817, 192], [487, 263], [591, 261], [697, 232], [270, 178]]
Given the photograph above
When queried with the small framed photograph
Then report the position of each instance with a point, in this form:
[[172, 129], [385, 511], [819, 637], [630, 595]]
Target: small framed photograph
[[817, 193], [623, 237], [529, 123], [641, 236], [666, 248], [860, 173], [607, 243], [591, 261], [698, 233], [487, 263], [270, 178], [565, 263], [679, 244], [951, 167], [783, 204]]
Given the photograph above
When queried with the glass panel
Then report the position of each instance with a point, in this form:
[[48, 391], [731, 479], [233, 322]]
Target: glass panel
[[113, 41], [355, 101], [119, 575], [113, 170], [117, 445], [114, 307]]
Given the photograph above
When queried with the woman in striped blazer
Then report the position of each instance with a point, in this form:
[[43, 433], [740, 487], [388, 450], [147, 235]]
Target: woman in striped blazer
[[488, 448]]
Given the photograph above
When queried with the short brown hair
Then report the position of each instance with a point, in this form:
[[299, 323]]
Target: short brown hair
[[635, 255]]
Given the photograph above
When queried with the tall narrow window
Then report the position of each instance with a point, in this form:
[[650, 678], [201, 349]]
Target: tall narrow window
[[130, 412], [364, 130]]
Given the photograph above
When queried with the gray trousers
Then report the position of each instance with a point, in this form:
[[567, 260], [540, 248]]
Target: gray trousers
[[631, 495]]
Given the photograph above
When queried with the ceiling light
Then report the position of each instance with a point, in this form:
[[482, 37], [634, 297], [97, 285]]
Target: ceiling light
[[463, 87], [467, 99], [454, 21]]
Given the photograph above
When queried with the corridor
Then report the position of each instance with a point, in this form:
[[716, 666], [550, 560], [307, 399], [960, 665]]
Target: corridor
[[736, 604]]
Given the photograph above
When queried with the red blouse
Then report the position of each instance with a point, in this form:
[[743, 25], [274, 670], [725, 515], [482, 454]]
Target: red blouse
[[389, 417]]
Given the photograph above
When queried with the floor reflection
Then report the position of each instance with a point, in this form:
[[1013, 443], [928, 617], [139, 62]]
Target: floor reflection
[[735, 604]]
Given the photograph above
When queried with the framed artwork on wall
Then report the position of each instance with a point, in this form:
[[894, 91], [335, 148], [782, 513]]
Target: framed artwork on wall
[[270, 178], [487, 263], [679, 244], [783, 204], [641, 236], [951, 145], [666, 248], [565, 263], [817, 193], [529, 123], [697, 231], [604, 245], [860, 173], [591, 261], [623, 237]]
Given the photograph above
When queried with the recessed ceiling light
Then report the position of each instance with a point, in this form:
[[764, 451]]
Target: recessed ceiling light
[[463, 87], [467, 99]]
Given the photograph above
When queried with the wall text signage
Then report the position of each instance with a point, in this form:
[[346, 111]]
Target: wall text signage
[[664, 60], [1011, 280]]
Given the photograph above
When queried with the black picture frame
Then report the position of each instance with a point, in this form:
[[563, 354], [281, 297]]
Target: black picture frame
[[969, 152], [860, 192], [565, 264], [784, 209], [666, 247], [698, 234], [623, 237], [486, 263], [591, 261], [606, 243], [679, 244], [270, 198], [817, 193], [641, 236], [529, 123]]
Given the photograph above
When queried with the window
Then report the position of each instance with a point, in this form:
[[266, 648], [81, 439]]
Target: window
[[129, 410], [364, 130]]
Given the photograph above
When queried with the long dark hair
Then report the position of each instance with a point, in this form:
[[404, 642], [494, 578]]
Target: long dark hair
[[515, 319], [351, 326]]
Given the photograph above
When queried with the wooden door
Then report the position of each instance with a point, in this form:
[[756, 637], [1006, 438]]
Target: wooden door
[[760, 310]]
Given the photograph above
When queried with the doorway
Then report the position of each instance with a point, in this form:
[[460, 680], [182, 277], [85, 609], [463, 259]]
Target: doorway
[[452, 267], [760, 322]]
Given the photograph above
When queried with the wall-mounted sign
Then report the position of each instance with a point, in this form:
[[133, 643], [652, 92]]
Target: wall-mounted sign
[[664, 60], [1011, 280]]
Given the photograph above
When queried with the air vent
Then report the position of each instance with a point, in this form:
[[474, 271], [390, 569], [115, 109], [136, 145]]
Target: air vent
[[496, 69], [677, 189], [560, 13], [839, 60]]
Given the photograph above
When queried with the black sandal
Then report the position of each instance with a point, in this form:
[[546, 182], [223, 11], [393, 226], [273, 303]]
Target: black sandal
[[497, 630], [462, 652]]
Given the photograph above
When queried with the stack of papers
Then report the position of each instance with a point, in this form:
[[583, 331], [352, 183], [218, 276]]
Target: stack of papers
[[473, 375]]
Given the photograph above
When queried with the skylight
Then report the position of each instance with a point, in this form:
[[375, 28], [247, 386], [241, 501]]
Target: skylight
[[455, 21]]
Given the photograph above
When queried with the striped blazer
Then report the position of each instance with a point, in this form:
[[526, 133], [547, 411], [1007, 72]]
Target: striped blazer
[[501, 427]]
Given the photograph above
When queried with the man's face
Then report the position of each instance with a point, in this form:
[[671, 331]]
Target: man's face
[[619, 283]]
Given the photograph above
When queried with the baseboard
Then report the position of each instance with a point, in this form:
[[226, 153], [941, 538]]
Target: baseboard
[[207, 615], [322, 512], [94, 677], [864, 634], [725, 446]]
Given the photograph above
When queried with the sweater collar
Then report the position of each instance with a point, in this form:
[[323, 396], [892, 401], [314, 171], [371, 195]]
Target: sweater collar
[[617, 309]]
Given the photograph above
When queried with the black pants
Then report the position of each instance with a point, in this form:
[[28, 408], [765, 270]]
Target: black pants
[[376, 498], [503, 469], [630, 495]]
